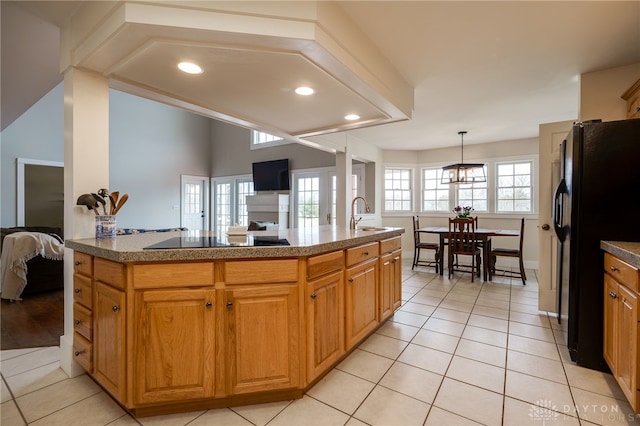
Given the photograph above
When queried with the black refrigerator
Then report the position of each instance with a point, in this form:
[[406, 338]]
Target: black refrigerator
[[597, 198]]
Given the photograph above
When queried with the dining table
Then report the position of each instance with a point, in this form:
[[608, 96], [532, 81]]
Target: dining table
[[481, 234]]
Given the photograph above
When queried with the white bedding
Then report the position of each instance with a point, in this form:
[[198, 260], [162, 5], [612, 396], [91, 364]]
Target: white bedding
[[18, 248]]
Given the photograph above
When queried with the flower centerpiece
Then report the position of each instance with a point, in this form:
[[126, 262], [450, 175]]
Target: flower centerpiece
[[463, 211]]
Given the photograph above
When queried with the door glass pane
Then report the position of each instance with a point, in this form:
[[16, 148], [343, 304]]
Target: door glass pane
[[222, 213], [244, 188]]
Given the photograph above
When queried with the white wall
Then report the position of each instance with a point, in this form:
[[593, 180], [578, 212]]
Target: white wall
[[151, 145], [600, 93], [231, 152], [38, 134]]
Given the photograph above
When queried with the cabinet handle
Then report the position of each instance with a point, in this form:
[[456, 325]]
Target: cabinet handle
[[313, 296], [77, 322], [613, 295], [614, 269], [394, 260], [350, 280], [77, 353], [366, 253], [78, 263], [77, 290], [209, 305], [229, 305], [115, 308]]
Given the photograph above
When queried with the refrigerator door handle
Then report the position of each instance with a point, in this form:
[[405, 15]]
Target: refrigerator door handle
[[558, 211]]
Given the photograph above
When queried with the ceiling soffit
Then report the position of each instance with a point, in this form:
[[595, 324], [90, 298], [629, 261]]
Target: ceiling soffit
[[253, 59]]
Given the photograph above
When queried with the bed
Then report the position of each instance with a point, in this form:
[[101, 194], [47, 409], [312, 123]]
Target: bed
[[31, 261]]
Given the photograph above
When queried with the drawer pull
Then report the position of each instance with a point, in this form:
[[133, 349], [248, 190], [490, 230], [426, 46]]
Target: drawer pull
[[209, 305], [366, 253], [77, 290], [613, 295], [350, 280], [78, 263], [115, 308], [229, 305], [313, 296], [614, 269], [77, 322], [78, 353]]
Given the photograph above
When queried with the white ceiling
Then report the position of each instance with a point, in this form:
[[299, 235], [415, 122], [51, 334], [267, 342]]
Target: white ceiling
[[495, 69]]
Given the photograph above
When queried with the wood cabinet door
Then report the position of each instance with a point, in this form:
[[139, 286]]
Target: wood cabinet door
[[387, 278], [390, 297], [325, 323], [109, 339], [397, 279], [175, 345], [627, 357], [263, 338], [360, 302], [611, 295]]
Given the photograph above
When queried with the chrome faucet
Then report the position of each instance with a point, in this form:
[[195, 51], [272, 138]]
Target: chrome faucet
[[354, 222]]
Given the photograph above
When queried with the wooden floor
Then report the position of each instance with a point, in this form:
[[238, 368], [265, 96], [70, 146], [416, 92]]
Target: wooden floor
[[37, 320]]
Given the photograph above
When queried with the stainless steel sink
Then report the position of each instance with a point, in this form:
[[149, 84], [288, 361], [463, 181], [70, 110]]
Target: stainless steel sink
[[371, 228]]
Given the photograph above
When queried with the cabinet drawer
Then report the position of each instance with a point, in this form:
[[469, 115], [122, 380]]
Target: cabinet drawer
[[82, 321], [83, 352], [82, 263], [621, 271], [390, 244], [109, 272], [261, 271], [324, 264], [82, 290], [361, 253], [172, 274]]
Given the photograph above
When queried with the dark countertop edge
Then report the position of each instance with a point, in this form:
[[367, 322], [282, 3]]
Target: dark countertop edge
[[625, 250], [164, 255]]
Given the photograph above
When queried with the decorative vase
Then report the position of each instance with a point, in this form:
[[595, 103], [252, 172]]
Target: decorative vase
[[105, 226]]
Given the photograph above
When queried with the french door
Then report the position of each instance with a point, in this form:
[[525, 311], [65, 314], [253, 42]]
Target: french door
[[195, 197]]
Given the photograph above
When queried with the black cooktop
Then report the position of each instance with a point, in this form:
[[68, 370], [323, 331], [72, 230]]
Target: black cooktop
[[213, 242]]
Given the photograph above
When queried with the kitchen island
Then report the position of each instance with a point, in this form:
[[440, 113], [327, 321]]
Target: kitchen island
[[621, 326], [212, 321]]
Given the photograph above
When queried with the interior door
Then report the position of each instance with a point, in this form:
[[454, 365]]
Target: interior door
[[551, 137]]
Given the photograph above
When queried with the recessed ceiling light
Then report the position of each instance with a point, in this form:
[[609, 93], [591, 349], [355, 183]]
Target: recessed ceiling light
[[305, 91], [351, 117], [190, 68]]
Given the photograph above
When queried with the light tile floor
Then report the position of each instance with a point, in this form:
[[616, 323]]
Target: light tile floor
[[456, 353]]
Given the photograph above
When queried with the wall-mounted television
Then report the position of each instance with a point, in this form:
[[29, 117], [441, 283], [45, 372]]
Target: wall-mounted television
[[271, 175]]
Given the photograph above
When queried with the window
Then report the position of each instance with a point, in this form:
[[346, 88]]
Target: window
[[397, 189], [474, 195], [435, 194], [264, 140], [514, 187]]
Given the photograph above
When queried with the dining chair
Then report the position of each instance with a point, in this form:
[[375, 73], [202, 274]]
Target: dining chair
[[420, 245], [462, 241], [505, 252]]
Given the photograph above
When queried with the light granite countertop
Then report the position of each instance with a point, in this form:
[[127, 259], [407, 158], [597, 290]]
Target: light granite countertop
[[303, 242], [627, 251]]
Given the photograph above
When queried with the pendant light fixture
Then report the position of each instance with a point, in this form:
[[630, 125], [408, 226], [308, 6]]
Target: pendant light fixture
[[463, 172]]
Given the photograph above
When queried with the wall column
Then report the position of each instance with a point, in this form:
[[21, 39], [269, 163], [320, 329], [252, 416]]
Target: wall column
[[86, 170], [343, 188]]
